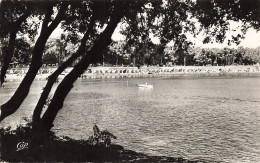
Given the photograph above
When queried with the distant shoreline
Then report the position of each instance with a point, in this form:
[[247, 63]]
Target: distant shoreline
[[152, 71]]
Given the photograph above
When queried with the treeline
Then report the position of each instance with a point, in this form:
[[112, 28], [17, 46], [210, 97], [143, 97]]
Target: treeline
[[120, 53], [151, 54], [217, 56], [56, 51]]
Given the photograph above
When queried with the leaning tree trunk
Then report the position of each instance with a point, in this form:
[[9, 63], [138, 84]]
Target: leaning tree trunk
[[66, 85], [8, 56], [10, 49], [23, 90], [52, 78]]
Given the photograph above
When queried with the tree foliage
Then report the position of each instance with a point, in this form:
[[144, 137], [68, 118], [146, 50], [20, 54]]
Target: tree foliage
[[215, 17]]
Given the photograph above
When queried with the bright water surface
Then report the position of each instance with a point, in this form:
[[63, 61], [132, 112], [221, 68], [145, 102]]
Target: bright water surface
[[209, 118]]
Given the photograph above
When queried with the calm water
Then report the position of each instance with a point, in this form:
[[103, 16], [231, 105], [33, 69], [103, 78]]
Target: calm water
[[210, 118]]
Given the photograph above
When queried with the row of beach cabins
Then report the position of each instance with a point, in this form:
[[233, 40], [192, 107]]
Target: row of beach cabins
[[96, 72]]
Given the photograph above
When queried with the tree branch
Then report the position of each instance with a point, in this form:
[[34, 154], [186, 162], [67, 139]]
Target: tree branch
[[60, 16], [54, 76], [47, 19]]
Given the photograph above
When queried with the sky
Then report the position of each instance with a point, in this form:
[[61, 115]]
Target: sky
[[252, 38]]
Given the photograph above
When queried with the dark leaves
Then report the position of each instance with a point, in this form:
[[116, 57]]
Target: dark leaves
[[101, 138]]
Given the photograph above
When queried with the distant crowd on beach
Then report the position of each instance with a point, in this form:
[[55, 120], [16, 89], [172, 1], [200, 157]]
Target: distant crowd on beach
[[126, 71], [176, 69], [18, 73]]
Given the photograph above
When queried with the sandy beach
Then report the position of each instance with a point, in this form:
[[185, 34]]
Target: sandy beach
[[152, 71]]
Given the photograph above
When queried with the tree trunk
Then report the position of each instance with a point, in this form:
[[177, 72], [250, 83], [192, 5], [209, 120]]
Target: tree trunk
[[93, 56], [8, 56], [23, 90], [10, 49]]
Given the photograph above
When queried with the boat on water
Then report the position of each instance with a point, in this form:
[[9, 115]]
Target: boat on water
[[146, 85]]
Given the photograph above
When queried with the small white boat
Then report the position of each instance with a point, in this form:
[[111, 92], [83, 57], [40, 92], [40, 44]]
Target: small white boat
[[145, 85]]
